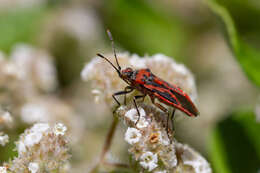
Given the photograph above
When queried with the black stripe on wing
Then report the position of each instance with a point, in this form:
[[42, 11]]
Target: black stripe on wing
[[185, 103]]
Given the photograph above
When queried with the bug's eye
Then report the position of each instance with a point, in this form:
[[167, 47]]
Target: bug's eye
[[128, 70], [129, 73]]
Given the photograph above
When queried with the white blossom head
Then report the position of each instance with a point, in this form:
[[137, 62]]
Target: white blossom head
[[36, 66], [151, 144], [40, 149], [34, 135]]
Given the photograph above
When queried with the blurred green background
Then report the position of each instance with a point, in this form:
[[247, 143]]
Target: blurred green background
[[218, 40]]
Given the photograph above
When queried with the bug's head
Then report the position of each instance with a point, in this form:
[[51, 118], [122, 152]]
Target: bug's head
[[127, 74]]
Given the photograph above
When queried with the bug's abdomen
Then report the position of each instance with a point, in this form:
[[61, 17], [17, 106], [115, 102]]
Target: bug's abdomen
[[178, 101]]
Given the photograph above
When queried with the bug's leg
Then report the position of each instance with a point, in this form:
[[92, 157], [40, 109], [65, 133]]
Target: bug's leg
[[172, 119], [130, 89], [135, 98], [166, 111]]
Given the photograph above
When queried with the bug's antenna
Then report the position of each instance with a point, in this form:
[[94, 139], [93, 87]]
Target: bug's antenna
[[113, 46], [118, 71]]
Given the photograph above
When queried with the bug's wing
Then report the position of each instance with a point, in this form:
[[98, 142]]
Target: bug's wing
[[171, 95]]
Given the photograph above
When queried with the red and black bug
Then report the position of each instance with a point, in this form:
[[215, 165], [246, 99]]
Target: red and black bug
[[147, 83]]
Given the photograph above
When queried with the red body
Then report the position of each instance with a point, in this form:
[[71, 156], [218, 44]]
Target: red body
[[146, 82]]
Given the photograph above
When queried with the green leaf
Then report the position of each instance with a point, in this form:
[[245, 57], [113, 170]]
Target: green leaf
[[235, 144], [20, 25], [144, 28], [248, 57]]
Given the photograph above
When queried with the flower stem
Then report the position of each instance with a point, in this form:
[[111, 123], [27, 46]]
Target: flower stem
[[109, 139]]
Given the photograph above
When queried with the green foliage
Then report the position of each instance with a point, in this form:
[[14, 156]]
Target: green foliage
[[245, 14], [8, 151], [248, 57], [235, 144], [19, 25], [68, 56], [141, 28]]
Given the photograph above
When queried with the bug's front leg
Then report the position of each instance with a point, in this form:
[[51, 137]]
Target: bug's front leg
[[127, 90], [135, 99]]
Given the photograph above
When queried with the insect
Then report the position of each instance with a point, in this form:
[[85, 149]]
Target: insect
[[156, 88]]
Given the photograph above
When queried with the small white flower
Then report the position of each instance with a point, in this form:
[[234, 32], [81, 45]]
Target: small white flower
[[133, 115], [33, 167], [60, 129], [149, 161], [32, 138], [3, 169], [4, 139], [132, 135], [142, 123]]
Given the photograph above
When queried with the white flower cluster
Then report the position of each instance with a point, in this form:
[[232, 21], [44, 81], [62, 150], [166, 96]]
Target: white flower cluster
[[148, 139], [150, 145], [28, 73], [41, 148], [35, 66], [105, 80]]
